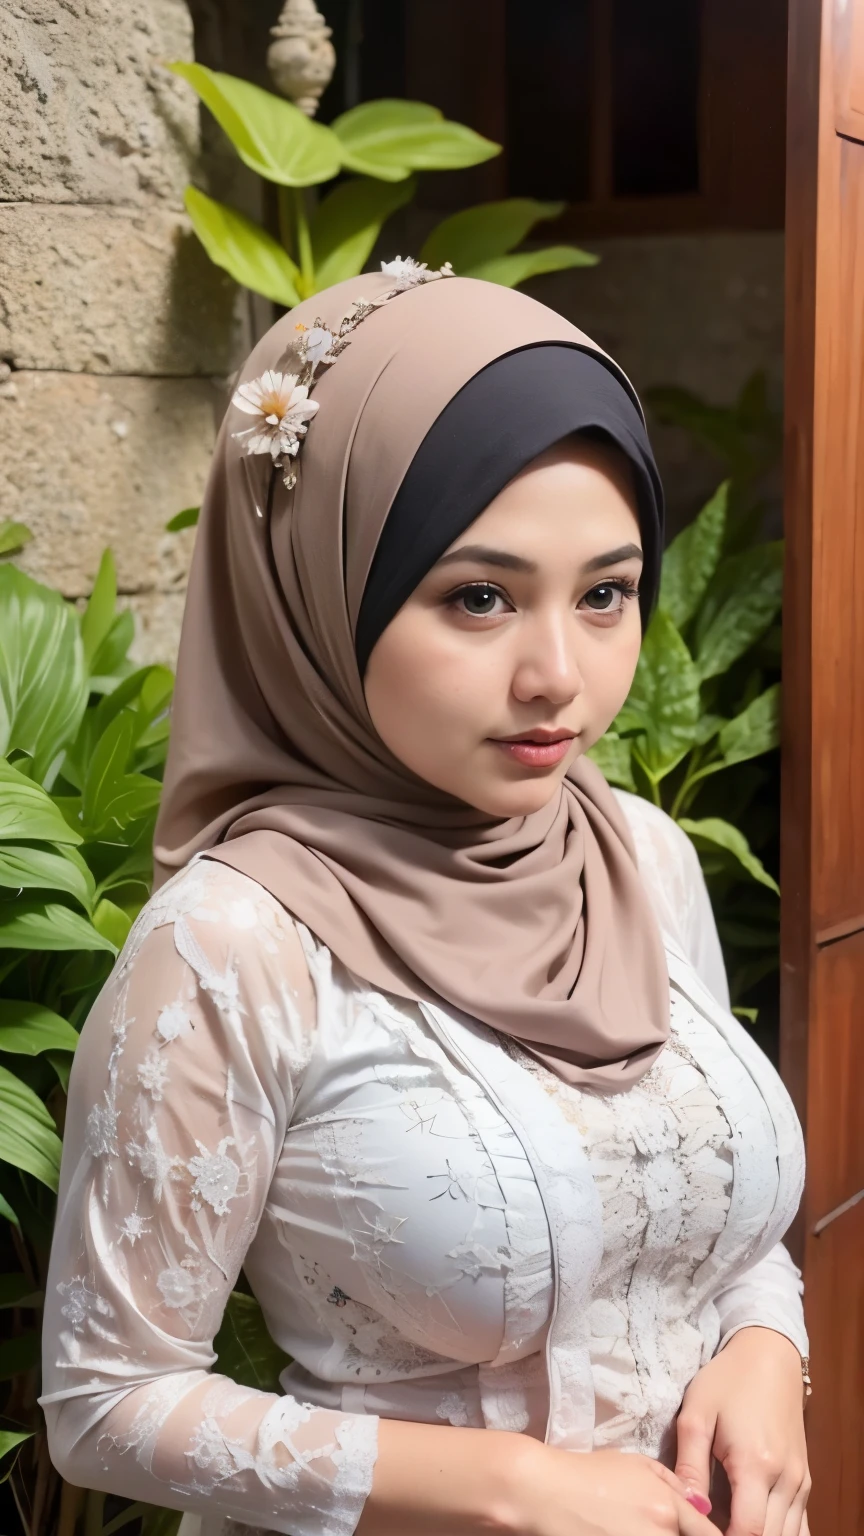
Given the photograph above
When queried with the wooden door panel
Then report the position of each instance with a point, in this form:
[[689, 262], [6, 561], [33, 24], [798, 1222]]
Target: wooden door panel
[[835, 1081], [822, 856], [834, 1263], [848, 69], [838, 547]]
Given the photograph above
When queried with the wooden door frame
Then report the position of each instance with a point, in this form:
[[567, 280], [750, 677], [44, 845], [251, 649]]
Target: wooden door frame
[[822, 836]]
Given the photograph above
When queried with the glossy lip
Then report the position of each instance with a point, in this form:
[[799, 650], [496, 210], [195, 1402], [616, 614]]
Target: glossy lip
[[543, 736]]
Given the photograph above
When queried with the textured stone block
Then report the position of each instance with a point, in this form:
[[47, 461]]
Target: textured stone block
[[88, 112], [158, 616], [113, 290], [88, 462]]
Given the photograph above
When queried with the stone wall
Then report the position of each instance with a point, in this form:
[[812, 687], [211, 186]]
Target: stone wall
[[116, 332]]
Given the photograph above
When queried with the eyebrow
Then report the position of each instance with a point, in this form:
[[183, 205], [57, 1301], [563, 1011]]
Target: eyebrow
[[482, 554]]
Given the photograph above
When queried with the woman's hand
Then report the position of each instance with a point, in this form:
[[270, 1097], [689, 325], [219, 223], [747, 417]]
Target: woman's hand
[[608, 1493], [746, 1408], [477, 1482]]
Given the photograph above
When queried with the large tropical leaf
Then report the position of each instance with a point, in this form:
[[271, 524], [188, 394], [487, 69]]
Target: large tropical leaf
[[245, 251], [43, 689], [692, 558], [664, 698], [27, 812], [99, 614], [714, 834], [28, 1029], [47, 925], [28, 1135], [347, 223], [613, 757], [754, 731], [491, 229], [741, 603], [270, 134], [510, 271], [25, 867], [390, 138]]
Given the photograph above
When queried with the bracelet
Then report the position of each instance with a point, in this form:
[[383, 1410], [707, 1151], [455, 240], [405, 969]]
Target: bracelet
[[805, 1376]]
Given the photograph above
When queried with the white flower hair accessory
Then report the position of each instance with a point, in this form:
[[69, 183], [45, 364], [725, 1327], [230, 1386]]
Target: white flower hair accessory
[[279, 399]]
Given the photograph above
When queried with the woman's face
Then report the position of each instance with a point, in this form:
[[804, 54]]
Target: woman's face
[[518, 648]]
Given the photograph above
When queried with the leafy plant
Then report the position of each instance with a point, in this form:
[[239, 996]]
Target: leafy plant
[[705, 702], [381, 145], [83, 735]]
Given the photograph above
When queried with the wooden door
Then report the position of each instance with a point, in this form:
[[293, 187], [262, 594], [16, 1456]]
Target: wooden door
[[822, 1035]]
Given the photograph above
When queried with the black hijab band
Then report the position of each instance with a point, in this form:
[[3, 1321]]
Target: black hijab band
[[513, 410]]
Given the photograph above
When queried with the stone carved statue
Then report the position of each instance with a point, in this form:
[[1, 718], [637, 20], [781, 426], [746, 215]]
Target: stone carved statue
[[301, 59]]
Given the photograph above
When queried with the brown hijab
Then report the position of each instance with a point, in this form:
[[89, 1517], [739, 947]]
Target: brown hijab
[[538, 925]]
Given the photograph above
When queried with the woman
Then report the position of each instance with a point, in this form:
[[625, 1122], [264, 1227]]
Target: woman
[[401, 1036]]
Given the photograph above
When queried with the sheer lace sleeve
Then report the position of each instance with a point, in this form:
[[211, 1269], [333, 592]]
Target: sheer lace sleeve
[[179, 1099], [671, 870]]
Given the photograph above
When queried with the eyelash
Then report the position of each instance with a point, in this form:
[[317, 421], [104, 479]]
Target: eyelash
[[623, 584]]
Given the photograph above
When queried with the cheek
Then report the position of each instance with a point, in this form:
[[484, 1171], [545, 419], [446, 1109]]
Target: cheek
[[608, 672]]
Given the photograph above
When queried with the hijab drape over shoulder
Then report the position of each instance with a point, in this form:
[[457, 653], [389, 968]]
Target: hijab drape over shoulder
[[537, 925]]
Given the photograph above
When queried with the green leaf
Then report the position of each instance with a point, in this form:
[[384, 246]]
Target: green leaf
[[750, 1014], [740, 604], [270, 134], [754, 731], [23, 867], [112, 922], [28, 813], [99, 614], [664, 698], [712, 832], [46, 925], [11, 1440], [107, 783], [27, 1029], [510, 271], [111, 655], [244, 1348], [19, 1354], [390, 138], [346, 224], [188, 518], [62, 1066], [7, 1211], [43, 690], [17, 1291], [691, 559], [28, 1135], [160, 1522], [13, 536], [248, 254], [613, 757], [491, 229], [136, 867]]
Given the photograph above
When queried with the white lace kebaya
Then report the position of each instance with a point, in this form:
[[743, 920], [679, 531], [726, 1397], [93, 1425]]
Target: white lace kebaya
[[436, 1227]]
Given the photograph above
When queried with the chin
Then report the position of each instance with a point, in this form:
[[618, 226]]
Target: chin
[[506, 800]]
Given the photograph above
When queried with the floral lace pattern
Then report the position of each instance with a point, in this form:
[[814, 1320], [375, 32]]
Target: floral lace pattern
[[432, 1231]]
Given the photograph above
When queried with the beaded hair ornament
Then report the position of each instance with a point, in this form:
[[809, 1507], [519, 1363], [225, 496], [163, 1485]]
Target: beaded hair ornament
[[279, 400]]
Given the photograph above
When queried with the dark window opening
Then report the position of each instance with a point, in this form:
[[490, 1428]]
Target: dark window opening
[[655, 49], [549, 67]]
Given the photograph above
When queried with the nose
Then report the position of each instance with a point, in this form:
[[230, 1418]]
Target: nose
[[547, 665]]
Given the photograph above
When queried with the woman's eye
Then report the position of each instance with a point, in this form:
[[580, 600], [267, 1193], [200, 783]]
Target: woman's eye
[[608, 597], [478, 600]]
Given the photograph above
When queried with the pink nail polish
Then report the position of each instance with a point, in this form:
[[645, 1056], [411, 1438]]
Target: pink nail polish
[[701, 1504]]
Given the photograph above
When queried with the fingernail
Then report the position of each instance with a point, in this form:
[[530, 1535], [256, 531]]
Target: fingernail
[[700, 1502]]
